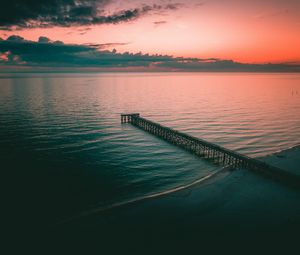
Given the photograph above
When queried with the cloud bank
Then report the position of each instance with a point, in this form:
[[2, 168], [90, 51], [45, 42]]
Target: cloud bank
[[17, 52], [21, 14]]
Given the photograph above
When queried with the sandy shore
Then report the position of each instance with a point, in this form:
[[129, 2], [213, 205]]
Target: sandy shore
[[288, 159], [237, 205]]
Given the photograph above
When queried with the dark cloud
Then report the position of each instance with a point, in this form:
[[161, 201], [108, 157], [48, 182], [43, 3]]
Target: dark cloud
[[213, 65], [16, 51], [43, 39], [105, 45], [54, 53], [158, 23], [174, 6], [83, 31], [19, 12], [47, 13], [22, 52], [15, 38]]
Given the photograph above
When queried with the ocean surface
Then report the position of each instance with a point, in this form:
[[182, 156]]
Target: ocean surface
[[64, 151]]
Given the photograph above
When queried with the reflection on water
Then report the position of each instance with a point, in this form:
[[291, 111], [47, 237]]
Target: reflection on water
[[64, 130]]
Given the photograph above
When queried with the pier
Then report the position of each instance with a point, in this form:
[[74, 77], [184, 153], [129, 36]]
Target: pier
[[210, 151]]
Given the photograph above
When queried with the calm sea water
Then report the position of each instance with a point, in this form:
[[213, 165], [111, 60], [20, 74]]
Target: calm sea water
[[65, 150]]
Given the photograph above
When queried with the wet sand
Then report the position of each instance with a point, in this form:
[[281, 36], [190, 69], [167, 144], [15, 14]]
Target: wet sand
[[235, 208], [288, 159]]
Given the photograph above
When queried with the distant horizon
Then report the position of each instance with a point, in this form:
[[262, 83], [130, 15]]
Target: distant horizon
[[137, 71]]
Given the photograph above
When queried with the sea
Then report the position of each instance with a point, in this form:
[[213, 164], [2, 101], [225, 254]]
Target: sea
[[64, 151]]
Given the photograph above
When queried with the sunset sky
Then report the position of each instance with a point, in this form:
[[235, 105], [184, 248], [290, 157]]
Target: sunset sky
[[253, 32]]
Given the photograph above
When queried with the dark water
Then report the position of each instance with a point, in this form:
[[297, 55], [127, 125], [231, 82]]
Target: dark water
[[64, 150]]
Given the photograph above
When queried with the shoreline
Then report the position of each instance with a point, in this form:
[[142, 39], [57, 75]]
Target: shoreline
[[241, 206], [287, 159]]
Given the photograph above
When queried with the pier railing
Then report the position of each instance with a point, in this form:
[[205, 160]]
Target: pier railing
[[213, 152]]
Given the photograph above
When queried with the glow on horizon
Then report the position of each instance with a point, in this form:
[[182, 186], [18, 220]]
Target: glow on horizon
[[249, 32]]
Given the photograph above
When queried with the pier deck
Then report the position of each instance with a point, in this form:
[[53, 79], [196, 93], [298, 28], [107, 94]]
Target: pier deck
[[207, 150]]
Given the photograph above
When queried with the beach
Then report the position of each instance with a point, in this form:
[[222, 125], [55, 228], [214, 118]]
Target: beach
[[234, 205], [288, 159]]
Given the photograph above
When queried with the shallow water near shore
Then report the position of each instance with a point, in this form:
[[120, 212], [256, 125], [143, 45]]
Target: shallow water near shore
[[66, 152]]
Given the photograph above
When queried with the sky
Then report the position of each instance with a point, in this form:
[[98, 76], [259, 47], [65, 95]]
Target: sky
[[165, 34]]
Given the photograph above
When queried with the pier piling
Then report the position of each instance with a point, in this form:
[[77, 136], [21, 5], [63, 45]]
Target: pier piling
[[210, 151]]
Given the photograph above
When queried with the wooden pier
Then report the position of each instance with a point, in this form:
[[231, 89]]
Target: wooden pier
[[207, 150]]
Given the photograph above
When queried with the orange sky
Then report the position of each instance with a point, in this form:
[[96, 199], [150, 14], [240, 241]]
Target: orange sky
[[245, 31]]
